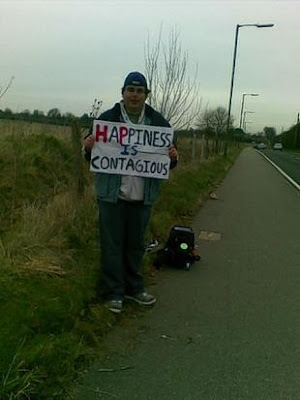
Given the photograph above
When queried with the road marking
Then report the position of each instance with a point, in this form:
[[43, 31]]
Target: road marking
[[295, 184], [212, 236]]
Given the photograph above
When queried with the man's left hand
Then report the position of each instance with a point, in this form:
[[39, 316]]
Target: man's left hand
[[173, 153]]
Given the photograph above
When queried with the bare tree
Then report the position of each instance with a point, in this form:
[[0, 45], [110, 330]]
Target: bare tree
[[173, 93], [221, 120], [213, 122], [54, 113], [205, 121], [3, 91]]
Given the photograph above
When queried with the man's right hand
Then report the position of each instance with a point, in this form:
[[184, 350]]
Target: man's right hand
[[88, 142]]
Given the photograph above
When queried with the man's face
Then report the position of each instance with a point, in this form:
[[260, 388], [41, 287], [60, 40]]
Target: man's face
[[134, 98]]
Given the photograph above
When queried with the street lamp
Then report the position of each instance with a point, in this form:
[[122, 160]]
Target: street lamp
[[244, 118], [234, 60], [246, 123], [242, 108]]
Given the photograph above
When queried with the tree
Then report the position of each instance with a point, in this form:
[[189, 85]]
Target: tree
[[205, 121], [54, 113], [8, 113], [270, 133], [38, 113], [173, 94], [85, 120], [213, 123], [214, 120], [69, 116], [25, 115], [290, 138]]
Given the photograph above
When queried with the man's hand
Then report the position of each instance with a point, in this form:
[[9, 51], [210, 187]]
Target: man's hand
[[88, 142], [173, 153]]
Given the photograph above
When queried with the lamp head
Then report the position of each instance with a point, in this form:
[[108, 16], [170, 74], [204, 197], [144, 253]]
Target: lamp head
[[264, 25]]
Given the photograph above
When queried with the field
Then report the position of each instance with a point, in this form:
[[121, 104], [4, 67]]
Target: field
[[51, 322]]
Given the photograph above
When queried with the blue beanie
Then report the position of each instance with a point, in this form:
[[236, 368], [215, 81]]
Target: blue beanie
[[135, 79]]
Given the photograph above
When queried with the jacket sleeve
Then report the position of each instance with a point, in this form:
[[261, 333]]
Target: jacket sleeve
[[174, 163], [86, 153]]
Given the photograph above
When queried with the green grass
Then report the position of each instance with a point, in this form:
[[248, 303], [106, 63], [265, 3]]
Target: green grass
[[51, 324]]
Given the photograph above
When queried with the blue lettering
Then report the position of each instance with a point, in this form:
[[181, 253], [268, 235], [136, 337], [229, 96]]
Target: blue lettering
[[114, 135], [114, 163], [125, 151], [93, 161], [156, 139], [139, 131], [134, 150], [122, 159], [130, 134], [130, 164], [104, 163], [146, 165], [148, 137], [139, 166], [153, 168], [165, 166], [169, 143]]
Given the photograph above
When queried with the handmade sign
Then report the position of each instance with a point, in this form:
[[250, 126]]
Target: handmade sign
[[128, 149]]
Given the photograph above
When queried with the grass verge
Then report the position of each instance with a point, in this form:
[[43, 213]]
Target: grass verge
[[50, 323]]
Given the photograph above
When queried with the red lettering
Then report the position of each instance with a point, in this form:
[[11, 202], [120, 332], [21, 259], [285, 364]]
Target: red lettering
[[100, 133], [123, 132]]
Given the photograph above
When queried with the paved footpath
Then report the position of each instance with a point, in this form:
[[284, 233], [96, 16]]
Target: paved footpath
[[229, 329]]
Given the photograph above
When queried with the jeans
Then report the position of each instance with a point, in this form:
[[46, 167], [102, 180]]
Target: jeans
[[122, 231]]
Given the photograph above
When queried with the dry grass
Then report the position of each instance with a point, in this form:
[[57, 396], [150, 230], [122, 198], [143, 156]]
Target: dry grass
[[40, 241], [33, 128]]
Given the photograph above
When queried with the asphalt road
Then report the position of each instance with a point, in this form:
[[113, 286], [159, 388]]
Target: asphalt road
[[288, 162], [229, 329]]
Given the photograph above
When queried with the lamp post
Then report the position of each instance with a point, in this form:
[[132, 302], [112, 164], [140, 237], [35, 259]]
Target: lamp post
[[246, 123], [297, 130], [243, 101], [238, 26], [244, 118]]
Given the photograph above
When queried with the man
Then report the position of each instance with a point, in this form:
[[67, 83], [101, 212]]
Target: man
[[125, 204]]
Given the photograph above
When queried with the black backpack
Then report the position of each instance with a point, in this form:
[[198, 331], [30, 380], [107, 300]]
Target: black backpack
[[179, 250]]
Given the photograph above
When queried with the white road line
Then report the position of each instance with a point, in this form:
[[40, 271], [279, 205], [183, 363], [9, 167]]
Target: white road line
[[295, 184]]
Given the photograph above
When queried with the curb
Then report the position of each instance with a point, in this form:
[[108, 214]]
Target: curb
[[295, 184]]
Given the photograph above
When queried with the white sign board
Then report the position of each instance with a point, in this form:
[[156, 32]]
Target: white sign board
[[128, 149]]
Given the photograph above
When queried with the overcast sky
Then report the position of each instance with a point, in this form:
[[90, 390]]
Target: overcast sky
[[66, 53]]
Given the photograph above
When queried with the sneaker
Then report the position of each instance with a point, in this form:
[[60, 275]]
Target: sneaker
[[144, 299], [115, 305]]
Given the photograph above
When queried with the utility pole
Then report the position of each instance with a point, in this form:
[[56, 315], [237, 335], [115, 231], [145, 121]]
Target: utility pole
[[194, 138], [296, 131]]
